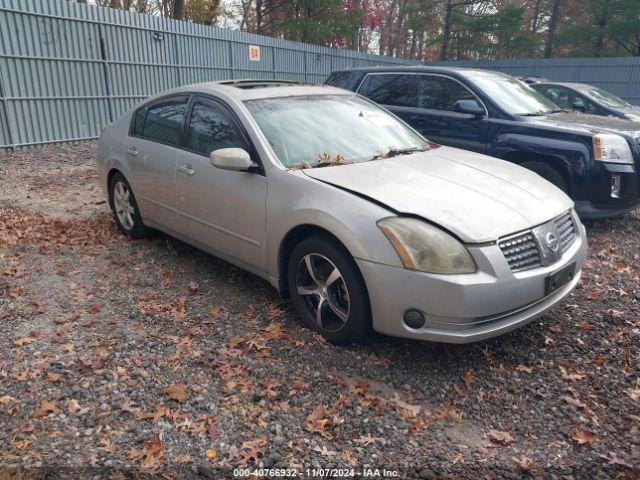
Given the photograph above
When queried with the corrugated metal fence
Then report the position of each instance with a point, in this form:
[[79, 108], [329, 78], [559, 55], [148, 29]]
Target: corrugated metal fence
[[67, 69], [618, 75]]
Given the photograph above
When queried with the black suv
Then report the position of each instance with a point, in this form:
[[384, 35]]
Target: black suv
[[595, 160]]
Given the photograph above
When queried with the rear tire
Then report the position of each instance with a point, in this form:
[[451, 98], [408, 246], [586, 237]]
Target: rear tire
[[125, 208], [549, 173], [328, 291]]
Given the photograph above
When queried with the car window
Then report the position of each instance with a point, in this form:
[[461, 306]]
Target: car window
[[395, 90], [583, 104], [559, 96], [430, 92], [211, 128], [440, 93], [162, 121]]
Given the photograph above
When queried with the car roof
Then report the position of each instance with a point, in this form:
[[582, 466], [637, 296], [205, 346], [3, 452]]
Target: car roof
[[251, 89], [422, 68], [567, 84]]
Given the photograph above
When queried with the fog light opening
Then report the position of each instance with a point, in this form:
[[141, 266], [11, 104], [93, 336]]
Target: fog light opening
[[414, 318], [615, 186]]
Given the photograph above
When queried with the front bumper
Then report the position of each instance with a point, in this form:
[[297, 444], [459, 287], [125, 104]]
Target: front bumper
[[466, 308], [602, 201]]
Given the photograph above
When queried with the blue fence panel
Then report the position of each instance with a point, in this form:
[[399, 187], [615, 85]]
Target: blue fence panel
[[68, 69]]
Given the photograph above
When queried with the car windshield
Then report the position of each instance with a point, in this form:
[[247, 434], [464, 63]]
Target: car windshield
[[512, 95], [321, 130], [606, 98]]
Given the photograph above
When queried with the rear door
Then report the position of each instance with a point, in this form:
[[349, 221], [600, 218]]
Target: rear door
[[152, 152], [426, 102]]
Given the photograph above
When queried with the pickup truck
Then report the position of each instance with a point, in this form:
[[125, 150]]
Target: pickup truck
[[595, 160]]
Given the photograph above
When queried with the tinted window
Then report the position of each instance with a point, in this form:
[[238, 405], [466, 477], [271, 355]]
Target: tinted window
[[440, 93], [212, 128], [430, 92], [397, 90], [138, 122], [163, 121]]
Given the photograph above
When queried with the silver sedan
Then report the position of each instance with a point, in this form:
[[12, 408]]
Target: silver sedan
[[345, 209]]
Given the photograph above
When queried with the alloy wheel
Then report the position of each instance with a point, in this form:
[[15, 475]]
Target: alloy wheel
[[322, 288], [123, 205]]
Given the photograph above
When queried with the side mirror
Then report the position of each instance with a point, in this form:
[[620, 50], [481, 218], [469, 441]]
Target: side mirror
[[470, 107], [232, 159]]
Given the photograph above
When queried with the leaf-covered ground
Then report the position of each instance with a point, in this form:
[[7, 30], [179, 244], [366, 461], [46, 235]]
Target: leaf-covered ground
[[150, 356]]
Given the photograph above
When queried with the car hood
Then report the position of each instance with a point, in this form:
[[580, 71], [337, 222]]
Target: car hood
[[588, 123], [477, 198]]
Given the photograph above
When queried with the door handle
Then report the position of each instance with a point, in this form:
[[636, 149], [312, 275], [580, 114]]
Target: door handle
[[132, 151], [186, 169]]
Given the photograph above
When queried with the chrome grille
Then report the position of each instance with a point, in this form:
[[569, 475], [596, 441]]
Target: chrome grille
[[566, 231], [540, 246], [521, 251]]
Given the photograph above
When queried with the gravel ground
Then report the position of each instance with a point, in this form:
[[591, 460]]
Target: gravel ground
[[124, 358]]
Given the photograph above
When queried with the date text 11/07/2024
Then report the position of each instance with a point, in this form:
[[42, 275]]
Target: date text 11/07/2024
[[317, 473]]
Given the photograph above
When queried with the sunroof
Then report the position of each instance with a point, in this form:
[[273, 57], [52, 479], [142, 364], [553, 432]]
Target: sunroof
[[247, 84]]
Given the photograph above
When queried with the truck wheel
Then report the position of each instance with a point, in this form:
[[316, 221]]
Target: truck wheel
[[550, 174]]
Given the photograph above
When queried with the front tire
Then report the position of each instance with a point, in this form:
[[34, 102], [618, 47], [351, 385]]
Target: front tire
[[328, 291], [125, 208]]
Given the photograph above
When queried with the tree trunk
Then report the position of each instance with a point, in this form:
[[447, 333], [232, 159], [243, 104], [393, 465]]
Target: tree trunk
[[178, 10], [536, 16], [553, 25], [602, 21], [446, 31]]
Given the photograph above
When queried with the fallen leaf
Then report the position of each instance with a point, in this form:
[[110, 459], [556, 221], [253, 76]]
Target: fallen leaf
[[46, 408], [23, 341], [368, 440], [467, 378], [573, 401], [524, 463], [614, 459], [583, 436], [324, 451], [634, 394], [5, 399], [524, 368], [504, 438], [177, 392]]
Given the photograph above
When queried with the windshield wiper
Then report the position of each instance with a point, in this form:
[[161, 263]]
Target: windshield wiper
[[394, 152], [326, 164]]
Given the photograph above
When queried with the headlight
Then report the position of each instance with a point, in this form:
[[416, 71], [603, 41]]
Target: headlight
[[426, 248], [632, 117], [612, 148]]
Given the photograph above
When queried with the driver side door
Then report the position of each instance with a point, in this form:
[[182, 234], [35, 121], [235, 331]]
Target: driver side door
[[224, 211]]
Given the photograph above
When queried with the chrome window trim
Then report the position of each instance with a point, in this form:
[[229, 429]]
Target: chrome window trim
[[425, 74]]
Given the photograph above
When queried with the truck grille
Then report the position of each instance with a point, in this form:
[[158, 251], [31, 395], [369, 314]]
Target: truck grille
[[539, 246]]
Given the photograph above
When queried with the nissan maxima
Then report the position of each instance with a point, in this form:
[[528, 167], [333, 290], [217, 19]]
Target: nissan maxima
[[346, 210]]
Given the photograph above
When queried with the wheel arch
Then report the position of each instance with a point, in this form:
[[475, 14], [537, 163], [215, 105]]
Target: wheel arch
[[294, 236], [557, 163]]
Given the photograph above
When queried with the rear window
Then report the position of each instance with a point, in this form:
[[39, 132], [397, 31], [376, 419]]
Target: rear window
[[161, 121]]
